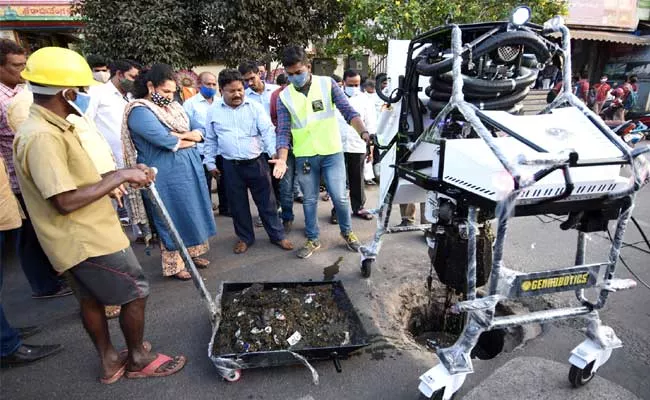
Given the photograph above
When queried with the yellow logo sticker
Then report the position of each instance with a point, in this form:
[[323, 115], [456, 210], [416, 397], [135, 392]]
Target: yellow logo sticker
[[555, 282]]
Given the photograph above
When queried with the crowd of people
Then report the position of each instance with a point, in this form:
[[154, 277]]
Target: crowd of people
[[608, 99], [80, 137]]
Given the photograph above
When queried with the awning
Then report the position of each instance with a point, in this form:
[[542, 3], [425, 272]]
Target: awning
[[616, 37]]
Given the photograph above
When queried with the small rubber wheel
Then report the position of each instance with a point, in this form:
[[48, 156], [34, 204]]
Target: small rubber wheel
[[233, 376], [366, 267], [437, 395], [580, 377]]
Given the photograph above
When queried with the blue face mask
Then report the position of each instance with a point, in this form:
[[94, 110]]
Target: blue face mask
[[80, 103], [207, 92], [299, 80]]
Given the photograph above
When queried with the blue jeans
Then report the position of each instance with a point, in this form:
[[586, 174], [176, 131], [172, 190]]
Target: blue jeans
[[332, 168], [9, 338], [287, 184]]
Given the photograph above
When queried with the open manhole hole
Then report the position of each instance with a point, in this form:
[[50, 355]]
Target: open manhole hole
[[432, 328]]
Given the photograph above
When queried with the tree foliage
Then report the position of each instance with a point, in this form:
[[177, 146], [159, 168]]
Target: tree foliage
[[237, 30], [145, 30], [190, 32], [371, 23]]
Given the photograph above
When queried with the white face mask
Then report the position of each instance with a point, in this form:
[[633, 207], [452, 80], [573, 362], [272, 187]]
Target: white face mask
[[102, 76], [352, 91]]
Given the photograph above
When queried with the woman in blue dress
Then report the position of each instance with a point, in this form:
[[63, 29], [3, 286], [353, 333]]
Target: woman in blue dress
[[156, 132]]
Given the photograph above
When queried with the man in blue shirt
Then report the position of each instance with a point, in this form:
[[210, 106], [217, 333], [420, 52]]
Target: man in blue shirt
[[241, 131], [197, 108]]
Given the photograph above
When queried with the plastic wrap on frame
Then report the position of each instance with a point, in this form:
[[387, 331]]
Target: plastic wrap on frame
[[472, 232], [601, 334]]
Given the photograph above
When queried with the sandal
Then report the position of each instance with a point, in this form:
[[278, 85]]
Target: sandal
[[112, 311], [120, 372], [162, 366], [363, 214], [240, 247], [182, 276], [325, 197], [201, 263]]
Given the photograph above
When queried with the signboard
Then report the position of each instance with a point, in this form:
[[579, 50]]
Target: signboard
[[603, 14], [36, 12]]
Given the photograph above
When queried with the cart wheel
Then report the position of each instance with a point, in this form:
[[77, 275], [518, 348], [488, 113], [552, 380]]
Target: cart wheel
[[366, 267], [580, 377], [437, 395], [233, 376]]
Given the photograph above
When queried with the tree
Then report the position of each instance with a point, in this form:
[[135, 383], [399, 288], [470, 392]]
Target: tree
[[237, 30], [371, 23], [145, 30]]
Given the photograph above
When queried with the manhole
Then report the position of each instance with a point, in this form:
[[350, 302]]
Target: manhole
[[434, 328]]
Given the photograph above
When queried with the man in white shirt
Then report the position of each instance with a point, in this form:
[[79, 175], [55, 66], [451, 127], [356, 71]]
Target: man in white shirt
[[197, 108], [354, 147], [107, 103]]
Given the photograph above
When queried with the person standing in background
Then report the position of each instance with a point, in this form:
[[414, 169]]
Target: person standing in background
[[42, 278], [157, 133], [602, 91], [197, 108], [240, 130], [98, 64]]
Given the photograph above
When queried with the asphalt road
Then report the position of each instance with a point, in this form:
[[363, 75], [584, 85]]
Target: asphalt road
[[177, 322]]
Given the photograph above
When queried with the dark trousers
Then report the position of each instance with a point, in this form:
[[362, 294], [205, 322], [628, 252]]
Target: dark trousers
[[253, 175], [221, 185], [354, 173], [35, 264], [9, 338]]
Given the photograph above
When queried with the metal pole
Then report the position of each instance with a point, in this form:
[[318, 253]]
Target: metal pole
[[185, 255]]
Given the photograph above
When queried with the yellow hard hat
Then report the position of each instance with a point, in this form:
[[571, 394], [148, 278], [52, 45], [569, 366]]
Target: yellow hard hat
[[56, 66]]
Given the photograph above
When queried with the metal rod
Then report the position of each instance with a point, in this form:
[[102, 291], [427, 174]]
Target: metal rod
[[581, 252], [472, 222], [538, 316], [185, 255]]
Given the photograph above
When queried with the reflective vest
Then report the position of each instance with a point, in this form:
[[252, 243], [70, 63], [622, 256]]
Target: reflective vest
[[314, 128]]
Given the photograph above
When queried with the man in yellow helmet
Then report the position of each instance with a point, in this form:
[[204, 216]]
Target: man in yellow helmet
[[307, 123], [73, 217]]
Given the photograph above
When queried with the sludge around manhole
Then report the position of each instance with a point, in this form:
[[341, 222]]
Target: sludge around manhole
[[425, 321]]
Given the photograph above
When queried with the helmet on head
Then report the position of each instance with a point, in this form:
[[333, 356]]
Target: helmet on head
[[56, 66]]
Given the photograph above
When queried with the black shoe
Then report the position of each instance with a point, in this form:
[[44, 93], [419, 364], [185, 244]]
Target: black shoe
[[287, 226], [28, 331], [62, 291], [28, 353], [299, 199], [334, 219]]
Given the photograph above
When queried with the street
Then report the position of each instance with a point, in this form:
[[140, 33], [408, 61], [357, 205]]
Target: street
[[177, 323]]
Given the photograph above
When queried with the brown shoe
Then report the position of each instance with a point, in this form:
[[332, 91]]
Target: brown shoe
[[240, 247], [284, 244]]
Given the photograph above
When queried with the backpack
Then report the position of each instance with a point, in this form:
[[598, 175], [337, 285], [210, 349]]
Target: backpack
[[631, 100]]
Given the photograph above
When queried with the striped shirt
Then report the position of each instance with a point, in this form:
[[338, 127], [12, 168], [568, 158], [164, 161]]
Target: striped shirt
[[6, 134], [283, 130], [240, 133]]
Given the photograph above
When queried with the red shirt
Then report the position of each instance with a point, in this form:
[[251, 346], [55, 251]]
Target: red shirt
[[602, 89], [273, 109]]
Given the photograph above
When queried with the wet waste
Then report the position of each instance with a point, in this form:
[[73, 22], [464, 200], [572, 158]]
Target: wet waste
[[262, 318], [330, 272]]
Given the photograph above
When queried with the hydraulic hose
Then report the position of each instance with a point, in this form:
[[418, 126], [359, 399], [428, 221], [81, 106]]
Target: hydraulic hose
[[526, 78], [531, 42], [502, 103]]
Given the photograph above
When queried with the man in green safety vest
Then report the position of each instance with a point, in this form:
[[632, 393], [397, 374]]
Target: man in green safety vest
[[307, 124]]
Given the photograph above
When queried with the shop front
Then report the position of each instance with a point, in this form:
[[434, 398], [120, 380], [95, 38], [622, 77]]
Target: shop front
[[39, 23]]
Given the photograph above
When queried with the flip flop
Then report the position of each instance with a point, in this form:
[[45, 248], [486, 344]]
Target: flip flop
[[240, 247], [187, 278], [363, 215], [151, 369], [120, 372], [201, 263]]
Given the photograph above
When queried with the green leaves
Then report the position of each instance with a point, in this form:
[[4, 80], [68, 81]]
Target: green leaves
[[371, 23]]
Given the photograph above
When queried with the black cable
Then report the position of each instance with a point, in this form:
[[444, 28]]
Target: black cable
[[641, 231], [620, 257]]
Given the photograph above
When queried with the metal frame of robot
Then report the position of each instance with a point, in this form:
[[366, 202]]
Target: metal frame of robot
[[447, 377]]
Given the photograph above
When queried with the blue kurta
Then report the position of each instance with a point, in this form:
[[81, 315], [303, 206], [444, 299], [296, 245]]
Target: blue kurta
[[180, 180]]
